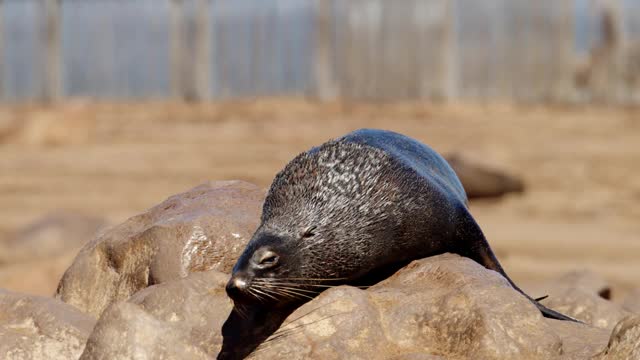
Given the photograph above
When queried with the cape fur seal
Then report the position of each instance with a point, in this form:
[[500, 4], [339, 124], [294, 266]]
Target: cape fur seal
[[353, 211]]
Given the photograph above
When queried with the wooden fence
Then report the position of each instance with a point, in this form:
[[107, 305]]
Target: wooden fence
[[522, 50]]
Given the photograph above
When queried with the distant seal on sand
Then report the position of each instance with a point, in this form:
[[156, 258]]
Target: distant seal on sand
[[353, 211]]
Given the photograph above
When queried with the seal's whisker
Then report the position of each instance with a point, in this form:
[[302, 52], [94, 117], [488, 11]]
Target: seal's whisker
[[261, 291], [296, 289], [276, 283], [275, 292], [242, 312], [290, 293], [311, 285], [306, 314], [313, 279], [294, 292], [257, 296], [282, 332]]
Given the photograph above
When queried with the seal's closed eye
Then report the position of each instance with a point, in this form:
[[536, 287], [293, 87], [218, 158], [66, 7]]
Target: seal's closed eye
[[308, 232], [269, 258], [264, 258]]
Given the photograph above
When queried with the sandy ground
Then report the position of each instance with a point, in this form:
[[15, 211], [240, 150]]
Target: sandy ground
[[581, 166]]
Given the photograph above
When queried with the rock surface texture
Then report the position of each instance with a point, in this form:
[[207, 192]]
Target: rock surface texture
[[179, 319], [202, 229], [34, 328], [445, 306], [625, 340], [583, 295]]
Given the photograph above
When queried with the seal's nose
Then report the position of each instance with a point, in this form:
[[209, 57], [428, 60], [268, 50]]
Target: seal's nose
[[237, 285]]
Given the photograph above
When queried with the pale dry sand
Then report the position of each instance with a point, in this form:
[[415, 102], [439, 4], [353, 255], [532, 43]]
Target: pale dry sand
[[581, 166]]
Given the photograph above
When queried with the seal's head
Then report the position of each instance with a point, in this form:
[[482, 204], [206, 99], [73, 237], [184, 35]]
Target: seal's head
[[318, 219], [268, 269]]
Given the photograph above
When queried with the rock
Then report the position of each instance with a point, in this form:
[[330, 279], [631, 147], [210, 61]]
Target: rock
[[33, 327], [625, 340], [202, 229], [52, 235], [583, 295], [585, 280], [481, 181], [631, 302], [579, 341], [446, 306], [179, 319]]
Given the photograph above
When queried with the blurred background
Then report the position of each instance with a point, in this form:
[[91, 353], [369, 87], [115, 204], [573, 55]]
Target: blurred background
[[107, 107]]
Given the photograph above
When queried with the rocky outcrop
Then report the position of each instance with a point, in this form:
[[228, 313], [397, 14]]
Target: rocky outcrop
[[179, 319], [445, 306], [625, 340], [205, 228], [631, 302], [34, 328], [584, 296], [156, 285]]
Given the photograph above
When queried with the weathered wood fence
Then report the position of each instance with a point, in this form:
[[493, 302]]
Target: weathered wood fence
[[523, 50]]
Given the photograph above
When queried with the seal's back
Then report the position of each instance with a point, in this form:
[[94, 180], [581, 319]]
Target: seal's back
[[412, 154]]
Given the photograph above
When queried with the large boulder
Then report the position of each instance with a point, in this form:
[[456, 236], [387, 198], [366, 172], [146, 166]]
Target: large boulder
[[625, 340], [34, 328], [631, 302], [205, 228], [446, 306], [179, 319]]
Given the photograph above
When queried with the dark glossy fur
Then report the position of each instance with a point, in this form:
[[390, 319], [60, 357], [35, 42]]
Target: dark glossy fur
[[357, 209]]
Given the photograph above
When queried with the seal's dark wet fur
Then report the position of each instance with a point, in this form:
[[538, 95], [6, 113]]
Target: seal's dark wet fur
[[355, 210]]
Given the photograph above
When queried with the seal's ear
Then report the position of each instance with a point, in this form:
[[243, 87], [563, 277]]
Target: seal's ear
[[308, 232]]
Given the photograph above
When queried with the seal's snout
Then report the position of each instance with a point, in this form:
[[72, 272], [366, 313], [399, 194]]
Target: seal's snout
[[237, 285]]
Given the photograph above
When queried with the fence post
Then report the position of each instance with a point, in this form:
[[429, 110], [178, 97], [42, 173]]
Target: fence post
[[449, 78], [202, 66], [1, 52], [325, 88], [564, 86], [52, 88], [176, 43]]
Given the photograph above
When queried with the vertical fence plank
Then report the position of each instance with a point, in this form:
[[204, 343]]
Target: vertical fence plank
[[176, 48], [450, 79], [202, 52], [52, 88], [563, 66], [322, 66], [2, 84]]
